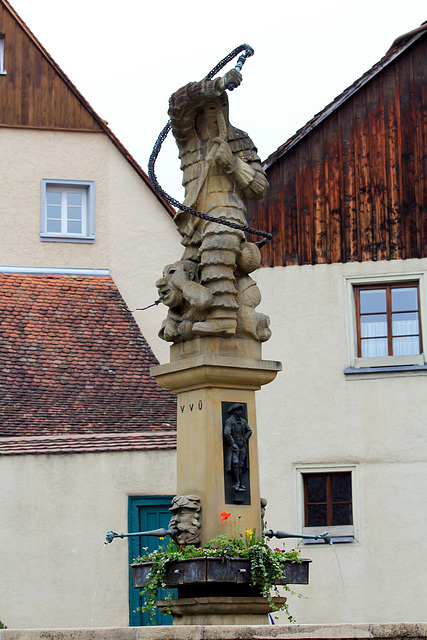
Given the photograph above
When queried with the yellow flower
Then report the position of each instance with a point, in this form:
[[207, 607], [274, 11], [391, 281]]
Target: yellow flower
[[161, 538], [249, 532]]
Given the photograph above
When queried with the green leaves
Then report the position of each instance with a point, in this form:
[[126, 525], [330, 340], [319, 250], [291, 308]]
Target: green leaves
[[266, 565]]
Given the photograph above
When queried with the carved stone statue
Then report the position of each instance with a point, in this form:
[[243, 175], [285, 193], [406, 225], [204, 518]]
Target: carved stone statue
[[189, 301], [186, 519], [236, 435], [220, 167]]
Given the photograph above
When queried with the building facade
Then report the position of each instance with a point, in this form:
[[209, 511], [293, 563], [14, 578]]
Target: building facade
[[341, 432], [85, 434], [344, 280]]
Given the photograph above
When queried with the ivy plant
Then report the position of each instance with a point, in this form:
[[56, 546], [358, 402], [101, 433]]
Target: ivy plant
[[266, 566]]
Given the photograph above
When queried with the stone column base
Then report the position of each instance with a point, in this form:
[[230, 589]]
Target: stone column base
[[219, 610]]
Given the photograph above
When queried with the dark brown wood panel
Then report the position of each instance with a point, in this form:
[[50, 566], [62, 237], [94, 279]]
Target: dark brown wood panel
[[34, 92], [354, 187], [305, 193], [333, 181], [407, 117], [290, 231], [420, 94], [320, 223]]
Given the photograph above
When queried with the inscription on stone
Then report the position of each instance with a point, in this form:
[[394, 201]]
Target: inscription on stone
[[192, 406]]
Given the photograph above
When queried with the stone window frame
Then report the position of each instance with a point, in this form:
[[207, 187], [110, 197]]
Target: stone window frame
[[3, 71], [339, 534], [88, 187], [389, 365]]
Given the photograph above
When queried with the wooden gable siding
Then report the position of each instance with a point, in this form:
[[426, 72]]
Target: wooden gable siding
[[354, 188], [34, 92]]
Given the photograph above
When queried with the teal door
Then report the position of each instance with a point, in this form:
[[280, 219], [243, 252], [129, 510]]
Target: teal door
[[146, 513]]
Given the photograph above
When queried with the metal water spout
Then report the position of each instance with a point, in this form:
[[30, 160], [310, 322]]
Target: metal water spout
[[157, 533], [283, 534]]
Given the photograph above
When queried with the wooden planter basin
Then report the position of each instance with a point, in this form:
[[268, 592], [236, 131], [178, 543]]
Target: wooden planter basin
[[215, 570]]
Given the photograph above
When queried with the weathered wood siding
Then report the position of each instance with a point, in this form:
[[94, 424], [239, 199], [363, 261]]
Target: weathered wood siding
[[33, 92], [355, 187]]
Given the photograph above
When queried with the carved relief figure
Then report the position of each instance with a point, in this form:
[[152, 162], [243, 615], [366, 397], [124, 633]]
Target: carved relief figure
[[220, 167], [236, 435], [186, 519]]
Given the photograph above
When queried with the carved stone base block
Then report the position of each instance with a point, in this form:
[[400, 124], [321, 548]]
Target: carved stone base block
[[219, 610], [206, 373]]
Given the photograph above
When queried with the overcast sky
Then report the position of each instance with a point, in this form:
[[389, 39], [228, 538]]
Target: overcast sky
[[127, 57]]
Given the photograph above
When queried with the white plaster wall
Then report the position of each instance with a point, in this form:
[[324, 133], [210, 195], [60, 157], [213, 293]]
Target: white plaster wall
[[58, 508], [135, 235], [55, 512], [313, 414]]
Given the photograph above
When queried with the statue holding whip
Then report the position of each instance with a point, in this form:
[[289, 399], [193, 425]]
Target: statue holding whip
[[220, 167]]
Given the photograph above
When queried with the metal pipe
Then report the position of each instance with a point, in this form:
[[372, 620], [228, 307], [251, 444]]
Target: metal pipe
[[283, 534], [159, 533]]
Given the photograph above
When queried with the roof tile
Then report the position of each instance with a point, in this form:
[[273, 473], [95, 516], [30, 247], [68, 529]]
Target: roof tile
[[74, 362]]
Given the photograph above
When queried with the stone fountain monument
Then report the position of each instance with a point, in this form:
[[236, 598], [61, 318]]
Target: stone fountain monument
[[216, 333], [216, 363]]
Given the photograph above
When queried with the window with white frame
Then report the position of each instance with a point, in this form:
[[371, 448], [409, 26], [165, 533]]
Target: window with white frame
[[385, 318], [326, 501], [2, 63], [67, 210]]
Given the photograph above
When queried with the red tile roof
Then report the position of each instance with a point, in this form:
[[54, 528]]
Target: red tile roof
[[89, 443], [73, 362]]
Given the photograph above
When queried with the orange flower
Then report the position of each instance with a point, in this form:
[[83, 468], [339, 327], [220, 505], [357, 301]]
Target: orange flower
[[224, 516]]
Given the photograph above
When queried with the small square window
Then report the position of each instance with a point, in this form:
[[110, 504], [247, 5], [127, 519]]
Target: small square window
[[326, 501], [67, 211], [2, 63]]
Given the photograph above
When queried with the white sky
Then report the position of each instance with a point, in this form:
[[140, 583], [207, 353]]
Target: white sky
[[127, 57]]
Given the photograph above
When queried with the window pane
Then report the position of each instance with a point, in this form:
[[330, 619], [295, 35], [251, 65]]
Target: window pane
[[316, 515], [1, 53], [404, 298], [341, 514], [53, 197], [315, 488], [53, 212], [373, 326], [374, 348], [341, 487], [74, 199], [53, 226], [409, 346], [404, 324], [74, 213], [373, 301], [74, 226]]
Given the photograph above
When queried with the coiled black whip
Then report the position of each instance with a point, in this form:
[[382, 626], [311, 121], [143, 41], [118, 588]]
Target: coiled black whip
[[247, 53]]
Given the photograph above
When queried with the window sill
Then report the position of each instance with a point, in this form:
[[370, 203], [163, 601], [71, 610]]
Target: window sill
[[385, 372], [81, 239], [338, 533], [335, 540]]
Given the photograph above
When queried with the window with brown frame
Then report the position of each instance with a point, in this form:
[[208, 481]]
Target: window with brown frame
[[388, 320], [327, 499]]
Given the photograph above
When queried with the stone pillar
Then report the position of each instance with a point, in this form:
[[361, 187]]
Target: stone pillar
[[209, 375]]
